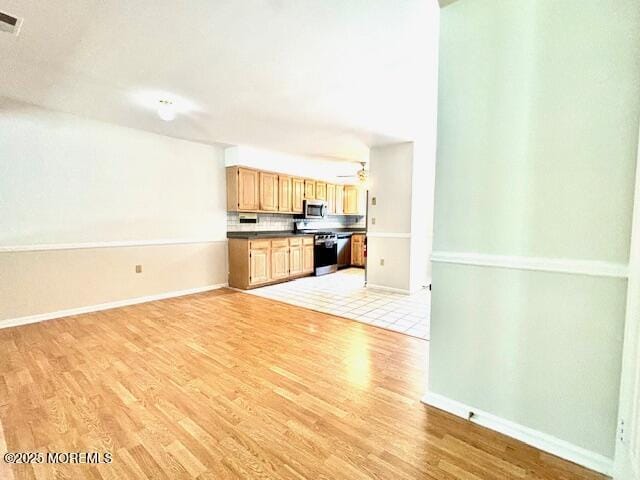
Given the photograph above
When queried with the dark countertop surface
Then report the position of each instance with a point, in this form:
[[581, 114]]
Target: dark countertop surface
[[278, 234]]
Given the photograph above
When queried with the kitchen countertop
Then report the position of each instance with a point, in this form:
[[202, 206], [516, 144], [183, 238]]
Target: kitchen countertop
[[279, 234]]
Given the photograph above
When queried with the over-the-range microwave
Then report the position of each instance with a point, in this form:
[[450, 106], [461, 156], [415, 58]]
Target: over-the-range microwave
[[314, 209]]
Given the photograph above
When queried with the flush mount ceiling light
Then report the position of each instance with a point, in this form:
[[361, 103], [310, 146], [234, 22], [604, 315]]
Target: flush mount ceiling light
[[165, 104], [166, 110]]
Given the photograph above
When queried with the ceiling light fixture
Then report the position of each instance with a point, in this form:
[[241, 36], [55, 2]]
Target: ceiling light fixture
[[362, 175], [166, 110]]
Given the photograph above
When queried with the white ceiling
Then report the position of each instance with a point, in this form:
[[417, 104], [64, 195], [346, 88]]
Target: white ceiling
[[319, 77]]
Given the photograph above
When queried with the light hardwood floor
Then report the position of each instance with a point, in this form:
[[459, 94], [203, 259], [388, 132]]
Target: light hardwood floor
[[225, 385]]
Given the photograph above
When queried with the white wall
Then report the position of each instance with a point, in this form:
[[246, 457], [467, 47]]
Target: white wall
[[537, 139], [67, 182], [64, 179], [627, 454], [389, 238], [321, 168], [401, 181]]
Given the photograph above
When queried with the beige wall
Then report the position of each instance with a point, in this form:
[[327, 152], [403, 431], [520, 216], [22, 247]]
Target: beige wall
[[69, 185], [41, 282]]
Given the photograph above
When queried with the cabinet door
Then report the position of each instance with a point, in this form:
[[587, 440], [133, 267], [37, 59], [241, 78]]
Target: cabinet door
[[259, 265], [268, 191], [339, 199], [284, 193], [350, 199], [321, 191], [307, 265], [295, 260], [248, 195], [331, 198], [279, 263], [309, 190], [297, 194], [357, 250]]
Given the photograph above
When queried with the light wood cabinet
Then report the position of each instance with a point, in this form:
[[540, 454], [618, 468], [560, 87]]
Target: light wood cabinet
[[307, 254], [297, 194], [321, 191], [253, 263], [268, 192], [250, 190], [350, 200], [295, 256], [259, 263], [309, 190], [339, 199], [331, 198], [243, 191], [284, 194], [279, 259], [357, 250]]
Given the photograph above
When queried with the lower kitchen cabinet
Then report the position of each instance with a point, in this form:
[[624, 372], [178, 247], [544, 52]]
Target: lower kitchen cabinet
[[279, 259], [357, 250], [307, 253], [295, 256], [257, 262]]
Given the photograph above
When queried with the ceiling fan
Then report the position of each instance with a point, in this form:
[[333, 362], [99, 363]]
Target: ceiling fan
[[361, 174]]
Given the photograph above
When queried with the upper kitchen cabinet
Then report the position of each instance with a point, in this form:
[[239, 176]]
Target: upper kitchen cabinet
[[309, 190], [297, 194], [268, 192], [250, 190], [284, 193], [339, 207], [321, 191], [243, 191], [350, 200], [331, 198]]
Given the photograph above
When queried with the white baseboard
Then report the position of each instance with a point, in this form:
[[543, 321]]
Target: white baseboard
[[388, 289], [14, 322], [540, 440]]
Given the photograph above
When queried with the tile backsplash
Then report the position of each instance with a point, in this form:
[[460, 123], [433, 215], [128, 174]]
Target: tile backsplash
[[283, 222]]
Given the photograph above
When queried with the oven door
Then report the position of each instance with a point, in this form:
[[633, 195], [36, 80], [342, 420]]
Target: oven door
[[325, 256], [314, 209]]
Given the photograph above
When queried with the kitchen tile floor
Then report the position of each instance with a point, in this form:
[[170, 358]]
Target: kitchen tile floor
[[343, 294]]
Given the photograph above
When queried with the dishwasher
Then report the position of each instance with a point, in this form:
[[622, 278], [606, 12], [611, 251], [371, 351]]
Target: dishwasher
[[344, 250]]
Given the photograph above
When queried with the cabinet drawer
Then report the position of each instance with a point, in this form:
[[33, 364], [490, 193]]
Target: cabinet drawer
[[253, 244], [307, 241], [295, 242], [357, 238], [281, 242]]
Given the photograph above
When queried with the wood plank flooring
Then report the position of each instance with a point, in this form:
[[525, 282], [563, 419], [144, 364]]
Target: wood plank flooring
[[225, 385]]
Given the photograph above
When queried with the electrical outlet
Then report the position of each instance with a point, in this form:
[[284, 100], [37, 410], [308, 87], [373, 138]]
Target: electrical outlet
[[138, 268], [373, 200], [373, 220], [382, 262]]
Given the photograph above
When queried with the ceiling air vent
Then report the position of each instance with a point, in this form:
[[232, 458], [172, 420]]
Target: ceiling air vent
[[10, 24]]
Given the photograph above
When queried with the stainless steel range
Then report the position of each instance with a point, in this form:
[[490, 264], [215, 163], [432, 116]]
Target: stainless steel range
[[325, 248], [325, 253]]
